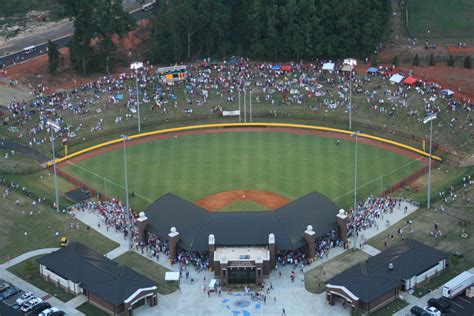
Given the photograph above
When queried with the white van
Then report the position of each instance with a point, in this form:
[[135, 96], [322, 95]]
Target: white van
[[28, 50]]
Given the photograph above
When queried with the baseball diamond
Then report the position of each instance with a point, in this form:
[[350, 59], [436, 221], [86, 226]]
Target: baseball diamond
[[288, 162]]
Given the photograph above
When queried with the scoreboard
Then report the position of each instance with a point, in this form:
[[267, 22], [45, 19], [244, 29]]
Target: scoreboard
[[173, 73]]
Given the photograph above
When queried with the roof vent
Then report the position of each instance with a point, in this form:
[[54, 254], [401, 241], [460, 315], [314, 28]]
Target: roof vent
[[390, 266]]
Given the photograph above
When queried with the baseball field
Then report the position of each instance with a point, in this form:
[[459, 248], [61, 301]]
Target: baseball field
[[199, 164]]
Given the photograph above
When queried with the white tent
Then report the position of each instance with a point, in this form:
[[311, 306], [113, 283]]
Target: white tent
[[347, 68], [171, 276], [328, 66], [396, 78]]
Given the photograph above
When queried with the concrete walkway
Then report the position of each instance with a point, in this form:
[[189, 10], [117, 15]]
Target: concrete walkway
[[397, 215], [370, 250], [26, 286], [292, 296], [89, 218], [27, 256], [77, 301]]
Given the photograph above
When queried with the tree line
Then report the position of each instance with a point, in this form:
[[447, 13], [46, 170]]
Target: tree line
[[266, 29]]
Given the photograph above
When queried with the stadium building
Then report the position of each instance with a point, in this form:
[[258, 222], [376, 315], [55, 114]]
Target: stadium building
[[242, 246]]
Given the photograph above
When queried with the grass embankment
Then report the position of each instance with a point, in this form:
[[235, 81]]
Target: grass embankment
[[16, 220], [150, 269]]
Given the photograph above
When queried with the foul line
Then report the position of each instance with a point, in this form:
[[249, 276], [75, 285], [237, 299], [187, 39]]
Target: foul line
[[376, 179], [105, 179]]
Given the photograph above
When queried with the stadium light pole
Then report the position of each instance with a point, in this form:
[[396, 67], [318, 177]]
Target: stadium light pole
[[125, 138], [245, 106], [429, 119], [54, 128], [240, 111], [352, 63], [250, 99], [356, 134], [136, 66]]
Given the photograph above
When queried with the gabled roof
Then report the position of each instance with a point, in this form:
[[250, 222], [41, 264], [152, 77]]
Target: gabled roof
[[372, 278], [94, 272], [195, 224], [169, 211]]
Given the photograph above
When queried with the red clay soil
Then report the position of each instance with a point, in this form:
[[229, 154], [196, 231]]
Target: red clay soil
[[217, 201], [452, 78]]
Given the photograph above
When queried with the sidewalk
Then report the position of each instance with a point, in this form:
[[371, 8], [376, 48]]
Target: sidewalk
[[397, 215]]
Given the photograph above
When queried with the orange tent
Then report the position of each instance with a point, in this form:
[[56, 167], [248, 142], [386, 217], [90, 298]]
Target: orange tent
[[410, 80]]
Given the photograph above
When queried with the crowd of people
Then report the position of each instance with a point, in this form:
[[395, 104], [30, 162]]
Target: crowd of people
[[366, 213], [301, 84]]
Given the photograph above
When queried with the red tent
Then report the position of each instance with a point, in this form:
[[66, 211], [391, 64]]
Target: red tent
[[286, 68], [410, 80]]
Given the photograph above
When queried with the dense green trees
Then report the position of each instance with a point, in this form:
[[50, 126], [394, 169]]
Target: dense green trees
[[96, 22], [266, 29], [53, 57]]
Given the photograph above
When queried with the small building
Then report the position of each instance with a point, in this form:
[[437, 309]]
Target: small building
[[115, 289], [378, 281]]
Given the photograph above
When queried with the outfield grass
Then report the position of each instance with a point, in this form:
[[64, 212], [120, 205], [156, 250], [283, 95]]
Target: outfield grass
[[291, 165], [29, 270], [150, 269], [444, 18], [13, 224]]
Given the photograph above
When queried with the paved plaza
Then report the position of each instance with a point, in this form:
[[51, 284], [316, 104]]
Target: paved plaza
[[192, 299]]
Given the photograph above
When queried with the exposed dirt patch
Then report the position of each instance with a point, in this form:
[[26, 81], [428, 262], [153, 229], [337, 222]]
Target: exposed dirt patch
[[219, 200]]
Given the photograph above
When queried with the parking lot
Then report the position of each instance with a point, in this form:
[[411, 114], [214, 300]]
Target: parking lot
[[9, 304], [461, 305]]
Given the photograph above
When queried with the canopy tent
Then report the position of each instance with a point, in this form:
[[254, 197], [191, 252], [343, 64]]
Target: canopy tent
[[396, 78], [171, 276], [276, 67], [347, 68], [233, 61], [410, 80], [372, 70], [328, 66], [447, 92], [286, 68]]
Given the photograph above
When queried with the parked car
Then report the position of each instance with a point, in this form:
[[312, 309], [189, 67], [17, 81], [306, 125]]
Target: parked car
[[58, 313], [9, 293], [28, 306], [25, 297], [4, 285], [418, 311], [432, 311], [49, 311], [63, 241], [39, 308], [440, 304]]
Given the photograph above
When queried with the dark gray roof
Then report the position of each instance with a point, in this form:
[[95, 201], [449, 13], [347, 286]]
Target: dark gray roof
[[288, 223], [94, 272], [372, 278]]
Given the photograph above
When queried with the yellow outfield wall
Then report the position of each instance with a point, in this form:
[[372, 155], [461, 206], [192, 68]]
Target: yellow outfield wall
[[205, 126]]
